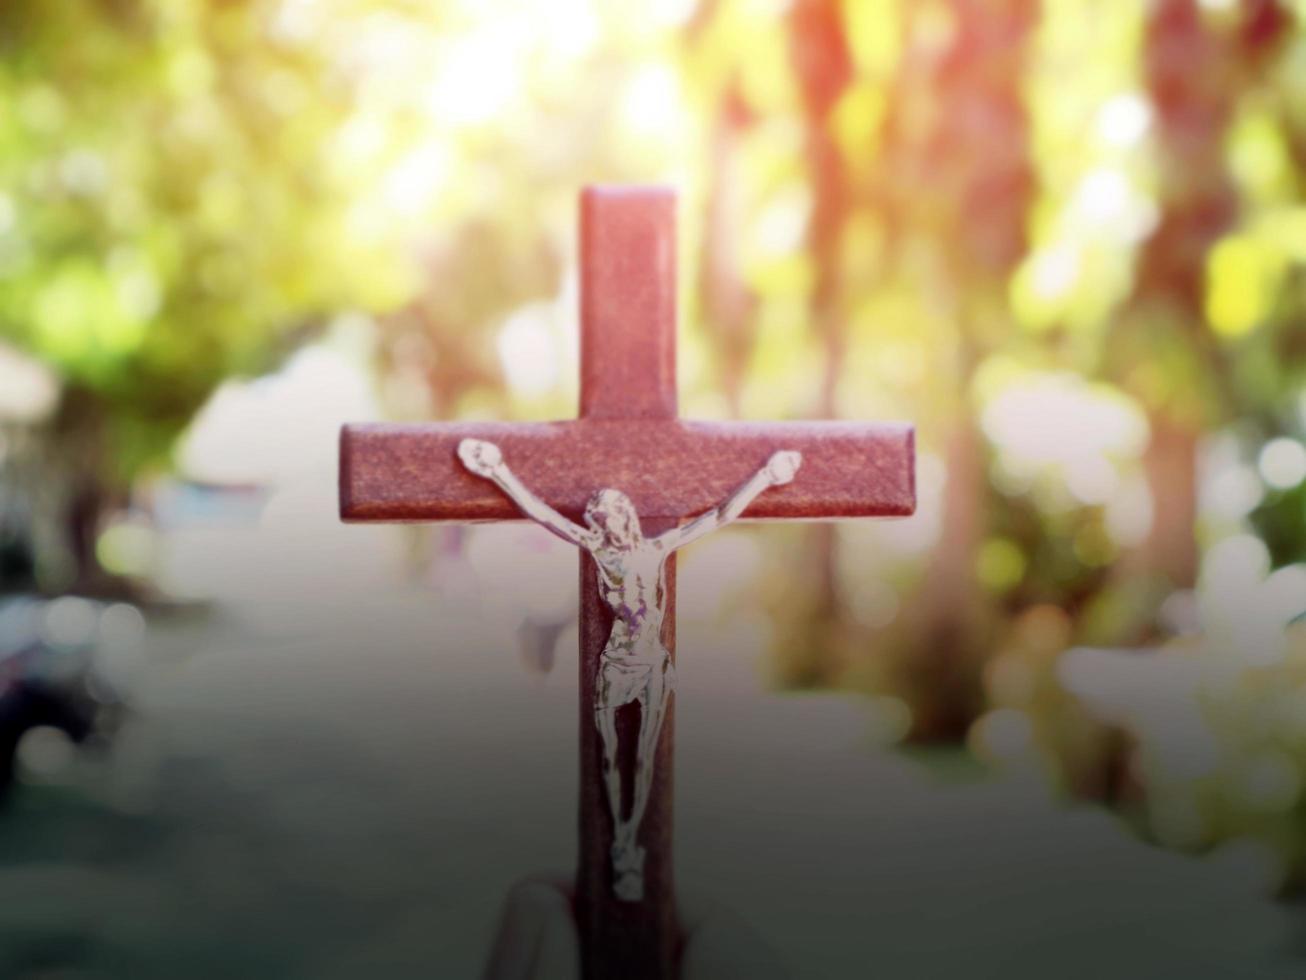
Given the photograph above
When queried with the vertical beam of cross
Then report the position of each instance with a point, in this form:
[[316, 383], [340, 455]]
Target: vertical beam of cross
[[628, 303], [628, 371]]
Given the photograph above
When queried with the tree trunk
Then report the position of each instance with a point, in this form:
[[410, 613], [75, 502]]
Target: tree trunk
[[74, 473], [1170, 548], [1194, 112], [942, 674], [823, 63]]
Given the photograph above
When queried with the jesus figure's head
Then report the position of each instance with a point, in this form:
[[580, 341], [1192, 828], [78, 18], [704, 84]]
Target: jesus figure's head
[[611, 513]]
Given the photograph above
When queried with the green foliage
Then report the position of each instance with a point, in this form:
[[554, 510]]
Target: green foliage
[[169, 215]]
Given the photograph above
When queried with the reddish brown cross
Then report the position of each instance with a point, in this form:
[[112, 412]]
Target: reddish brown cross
[[629, 437]]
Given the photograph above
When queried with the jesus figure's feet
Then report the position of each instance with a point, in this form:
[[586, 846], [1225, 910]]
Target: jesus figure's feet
[[627, 870]]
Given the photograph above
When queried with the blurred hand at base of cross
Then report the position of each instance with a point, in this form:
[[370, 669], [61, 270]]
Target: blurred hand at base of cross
[[537, 940]]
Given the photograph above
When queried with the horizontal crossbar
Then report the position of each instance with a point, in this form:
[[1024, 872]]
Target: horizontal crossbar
[[670, 469]]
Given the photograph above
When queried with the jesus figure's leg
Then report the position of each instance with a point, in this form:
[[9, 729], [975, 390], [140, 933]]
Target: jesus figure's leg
[[627, 862], [652, 710], [620, 683], [606, 721]]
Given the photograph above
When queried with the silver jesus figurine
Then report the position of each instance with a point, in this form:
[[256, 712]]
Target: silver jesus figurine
[[634, 666]]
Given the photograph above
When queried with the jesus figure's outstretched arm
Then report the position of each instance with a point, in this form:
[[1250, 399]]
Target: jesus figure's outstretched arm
[[485, 460], [779, 470]]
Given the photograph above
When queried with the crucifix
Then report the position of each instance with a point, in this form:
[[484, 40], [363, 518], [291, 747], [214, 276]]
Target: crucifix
[[628, 482]]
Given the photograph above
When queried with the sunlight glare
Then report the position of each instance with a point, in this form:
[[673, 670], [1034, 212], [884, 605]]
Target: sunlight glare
[[674, 13], [528, 350], [478, 77], [1060, 417], [1124, 120], [569, 27], [651, 105], [414, 180], [1054, 271], [1107, 201]]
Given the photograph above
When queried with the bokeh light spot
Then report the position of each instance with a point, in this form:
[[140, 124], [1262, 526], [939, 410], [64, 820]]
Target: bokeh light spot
[[1282, 463]]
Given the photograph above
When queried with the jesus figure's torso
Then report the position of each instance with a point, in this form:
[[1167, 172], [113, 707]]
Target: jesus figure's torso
[[633, 584]]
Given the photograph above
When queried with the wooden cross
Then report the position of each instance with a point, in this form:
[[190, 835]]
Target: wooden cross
[[629, 437]]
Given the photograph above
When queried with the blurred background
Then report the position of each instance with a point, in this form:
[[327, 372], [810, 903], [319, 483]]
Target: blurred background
[[1067, 239]]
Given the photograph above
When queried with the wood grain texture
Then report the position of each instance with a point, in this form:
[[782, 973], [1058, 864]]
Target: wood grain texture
[[669, 469], [628, 303]]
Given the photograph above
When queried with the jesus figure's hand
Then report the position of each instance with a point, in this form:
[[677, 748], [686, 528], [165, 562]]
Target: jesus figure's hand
[[782, 466], [479, 456]]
